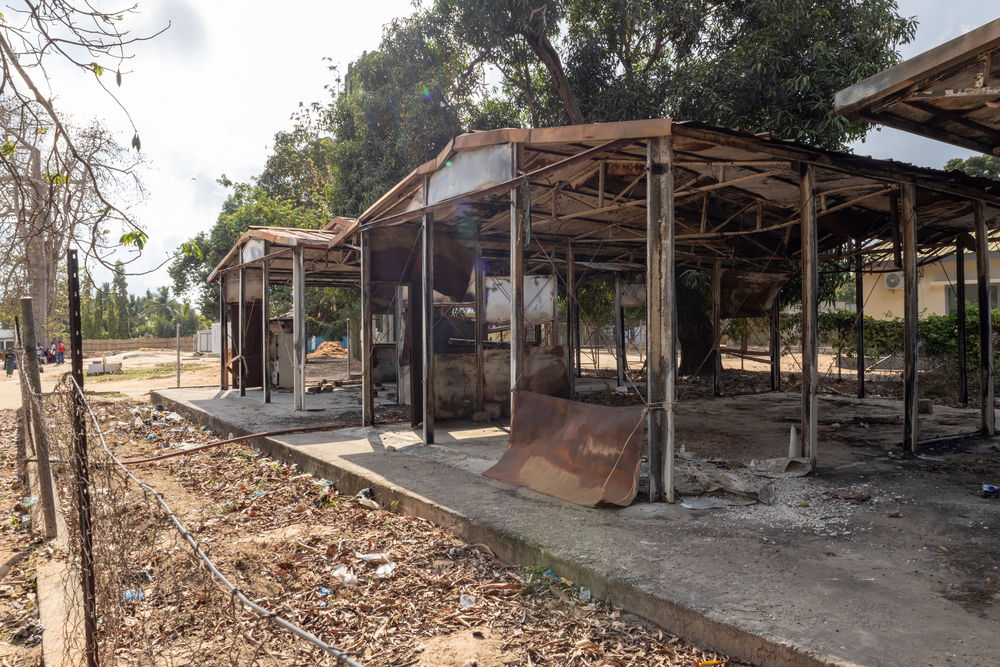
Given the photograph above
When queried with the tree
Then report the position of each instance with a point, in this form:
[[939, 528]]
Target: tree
[[247, 205], [49, 203], [986, 166], [58, 179], [766, 66]]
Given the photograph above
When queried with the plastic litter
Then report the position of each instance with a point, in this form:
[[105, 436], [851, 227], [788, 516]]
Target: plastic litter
[[991, 491], [703, 503], [384, 571], [344, 575], [322, 591], [373, 558], [255, 494], [133, 595], [151, 436], [584, 593], [30, 501], [467, 600], [368, 502]]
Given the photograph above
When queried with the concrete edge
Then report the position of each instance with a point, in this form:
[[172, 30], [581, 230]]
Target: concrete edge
[[676, 618]]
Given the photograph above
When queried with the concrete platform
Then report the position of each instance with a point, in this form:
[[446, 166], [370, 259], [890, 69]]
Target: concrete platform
[[807, 581]]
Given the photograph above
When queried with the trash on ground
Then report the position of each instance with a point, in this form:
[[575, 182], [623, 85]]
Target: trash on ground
[[385, 570], [781, 466], [848, 495], [695, 477], [584, 593], [703, 503], [991, 491], [466, 600]]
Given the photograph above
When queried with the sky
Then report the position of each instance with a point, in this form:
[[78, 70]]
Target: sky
[[208, 95]]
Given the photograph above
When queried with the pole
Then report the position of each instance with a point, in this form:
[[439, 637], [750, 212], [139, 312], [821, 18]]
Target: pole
[[810, 311], [428, 323], [480, 334], [963, 375], [30, 401], [223, 336], [80, 464], [265, 331], [177, 332], [241, 334], [619, 330], [985, 322], [367, 386], [776, 344], [908, 231], [660, 306], [572, 341], [516, 285], [298, 328], [717, 327], [859, 307]]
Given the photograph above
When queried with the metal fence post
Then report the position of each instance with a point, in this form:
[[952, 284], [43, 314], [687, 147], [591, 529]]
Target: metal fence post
[[80, 469]]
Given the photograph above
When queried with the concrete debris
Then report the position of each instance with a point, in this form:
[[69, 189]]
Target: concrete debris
[[780, 467], [694, 477]]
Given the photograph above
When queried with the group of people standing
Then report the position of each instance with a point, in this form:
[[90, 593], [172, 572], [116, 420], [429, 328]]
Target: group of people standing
[[53, 354]]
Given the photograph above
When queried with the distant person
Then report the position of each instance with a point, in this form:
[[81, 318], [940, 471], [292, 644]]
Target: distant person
[[9, 362], [60, 353]]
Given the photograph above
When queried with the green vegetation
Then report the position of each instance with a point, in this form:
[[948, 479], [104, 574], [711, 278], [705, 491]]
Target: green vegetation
[[109, 311], [453, 66]]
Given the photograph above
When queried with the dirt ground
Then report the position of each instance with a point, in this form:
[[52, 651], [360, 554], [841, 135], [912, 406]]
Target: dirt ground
[[282, 535], [143, 371]]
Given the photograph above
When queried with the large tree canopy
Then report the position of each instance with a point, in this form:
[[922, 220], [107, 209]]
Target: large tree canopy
[[453, 66]]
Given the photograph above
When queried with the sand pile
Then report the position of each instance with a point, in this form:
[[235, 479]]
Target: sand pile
[[329, 349]]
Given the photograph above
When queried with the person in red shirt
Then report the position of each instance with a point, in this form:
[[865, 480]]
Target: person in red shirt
[[60, 353]]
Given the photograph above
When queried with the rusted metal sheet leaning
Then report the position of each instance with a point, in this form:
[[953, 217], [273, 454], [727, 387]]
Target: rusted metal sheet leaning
[[579, 452]]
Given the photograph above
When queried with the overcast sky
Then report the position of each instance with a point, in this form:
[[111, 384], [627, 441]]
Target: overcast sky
[[209, 94]]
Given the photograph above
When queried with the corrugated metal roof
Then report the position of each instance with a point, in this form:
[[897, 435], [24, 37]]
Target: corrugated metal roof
[[950, 93]]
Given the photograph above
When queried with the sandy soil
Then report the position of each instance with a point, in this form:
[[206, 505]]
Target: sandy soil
[[195, 372]]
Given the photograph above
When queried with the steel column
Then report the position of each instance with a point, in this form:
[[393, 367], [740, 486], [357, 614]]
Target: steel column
[[660, 307], [367, 376], [572, 343], [517, 232], [908, 233], [810, 311], [987, 410], [265, 301], [427, 234], [775, 345], [717, 327], [963, 375], [223, 336], [480, 334], [620, 363], [859, 325], [298, 328], [241, 334]]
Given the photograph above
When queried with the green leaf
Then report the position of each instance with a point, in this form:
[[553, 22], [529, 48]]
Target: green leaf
[[7, 148], [118, 78], [192, 249], [136, 238], [136, 144], [98, 70]]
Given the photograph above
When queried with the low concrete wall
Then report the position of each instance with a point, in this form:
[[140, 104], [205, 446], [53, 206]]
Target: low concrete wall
[[92, 346]]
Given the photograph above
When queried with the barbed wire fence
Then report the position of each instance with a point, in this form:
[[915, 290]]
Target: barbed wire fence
[[137, 587]]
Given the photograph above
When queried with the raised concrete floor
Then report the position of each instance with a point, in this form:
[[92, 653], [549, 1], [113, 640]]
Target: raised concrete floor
[[806, 581]]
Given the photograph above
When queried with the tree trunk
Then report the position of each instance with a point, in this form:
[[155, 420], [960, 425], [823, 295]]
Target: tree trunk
[[547, 53], [694, 331]]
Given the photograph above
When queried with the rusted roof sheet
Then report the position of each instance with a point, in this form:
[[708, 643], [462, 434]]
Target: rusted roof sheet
[[737, 195], [329, 256], [950, 93], [579, 452]]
